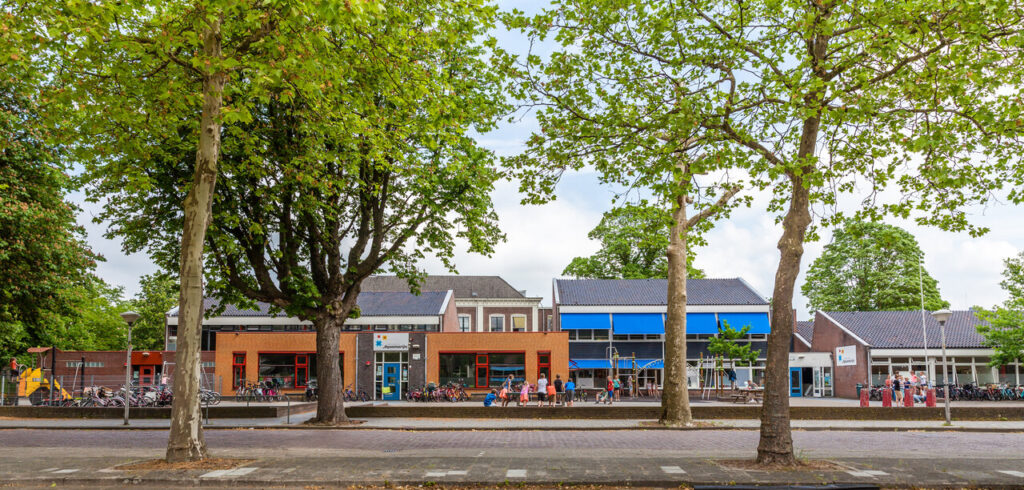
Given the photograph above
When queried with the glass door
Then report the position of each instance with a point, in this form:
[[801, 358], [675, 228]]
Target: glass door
[[795, 383], [392, 387], [482, 369], [819, 383]]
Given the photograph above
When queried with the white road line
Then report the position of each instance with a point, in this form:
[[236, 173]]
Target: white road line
[[457, 472], [66, 471], [48, 470], [213, 474], [435, 474], [1018, 474], [289, 470], [673, 470], [867, 473], [223, 473], [109, 470], [515, 474]]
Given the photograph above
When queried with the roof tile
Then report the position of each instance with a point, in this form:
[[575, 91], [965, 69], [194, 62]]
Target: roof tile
[[654, 292]]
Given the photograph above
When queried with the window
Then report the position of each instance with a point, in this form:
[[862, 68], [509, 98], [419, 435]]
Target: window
[[293, 370], [172, 343], [481, 369], [497, 323], [457, 368], [208, 364], [237, 370], [600, 335], [88, 364], [465, 323], [544, 364], [518, 323]]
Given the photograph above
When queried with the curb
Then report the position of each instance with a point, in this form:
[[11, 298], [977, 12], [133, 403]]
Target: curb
[[532, 429]]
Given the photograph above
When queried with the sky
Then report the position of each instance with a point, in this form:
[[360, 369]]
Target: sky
[[542, 240]]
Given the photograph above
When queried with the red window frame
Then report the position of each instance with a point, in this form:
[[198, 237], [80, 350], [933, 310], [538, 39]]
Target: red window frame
[[237, 369], [542, 365]]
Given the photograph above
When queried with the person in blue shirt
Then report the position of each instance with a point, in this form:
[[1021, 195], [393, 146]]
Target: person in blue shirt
[[570, 392], [489, 400]]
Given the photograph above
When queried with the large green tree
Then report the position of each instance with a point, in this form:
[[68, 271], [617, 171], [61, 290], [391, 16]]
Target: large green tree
[[1004, 324], [126, 74], [871, 267], [830, 97], [376, 174], [617, 96], [633, 239], [158, 294]]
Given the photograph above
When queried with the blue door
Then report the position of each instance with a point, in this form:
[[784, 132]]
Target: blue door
[[391, 384], [795, 383]]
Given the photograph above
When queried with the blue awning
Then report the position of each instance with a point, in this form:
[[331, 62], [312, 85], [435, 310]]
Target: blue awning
[[623, 364], [576, 321], [758, 321], [638, 323], [589, 364], [698, 323]]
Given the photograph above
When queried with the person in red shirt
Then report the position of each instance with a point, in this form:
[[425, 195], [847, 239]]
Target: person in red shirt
[[611, 391]]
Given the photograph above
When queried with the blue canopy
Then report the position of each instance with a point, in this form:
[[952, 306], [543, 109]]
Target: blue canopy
[[758, 321], [701, 323], [641, 364], [589, 364], [638, 323], [576, 321]]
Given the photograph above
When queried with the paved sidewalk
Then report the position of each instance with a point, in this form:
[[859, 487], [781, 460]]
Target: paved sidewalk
[[441, 424]]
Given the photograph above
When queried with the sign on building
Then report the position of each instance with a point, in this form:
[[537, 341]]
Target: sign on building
[[390, 341], [846, 355]]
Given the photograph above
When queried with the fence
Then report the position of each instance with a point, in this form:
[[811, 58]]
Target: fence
[[76, 386]]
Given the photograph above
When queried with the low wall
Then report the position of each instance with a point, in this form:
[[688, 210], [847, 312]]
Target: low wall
[[699, 412], [215, 412]]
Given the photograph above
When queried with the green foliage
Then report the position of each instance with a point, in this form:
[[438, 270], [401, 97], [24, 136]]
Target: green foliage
[[633, 243], [728, 345], [870, 267], [1004, 327], [319, 189], [158, 294]]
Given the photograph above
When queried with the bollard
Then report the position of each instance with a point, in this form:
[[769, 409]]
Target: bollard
[[289, 413], [886, 397], [864, 397], [929, 400], [908, 397]]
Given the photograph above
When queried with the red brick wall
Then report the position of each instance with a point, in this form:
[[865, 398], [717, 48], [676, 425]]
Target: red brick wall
[[828, 336], [507, 312], [252, 343], [530, 343], [450, 317], [467, 310]]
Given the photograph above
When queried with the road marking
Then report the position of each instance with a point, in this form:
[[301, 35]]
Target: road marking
[[289, 470], [457, 472], [435, 474], [234, 472], [66, 471], [515, 474], [109, 470], [48, 470], [1018, 474], [867, 473], [673, 470]]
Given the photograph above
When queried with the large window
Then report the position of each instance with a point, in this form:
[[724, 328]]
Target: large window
[[497, 323], [292, 370], [237, 369], [588, 334], [481, 369], [544, 364], [518, 323], [465, 323]]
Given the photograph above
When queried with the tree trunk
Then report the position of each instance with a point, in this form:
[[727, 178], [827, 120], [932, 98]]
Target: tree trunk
[[675, 404], [776, 445], [330, 406], [186, 441]]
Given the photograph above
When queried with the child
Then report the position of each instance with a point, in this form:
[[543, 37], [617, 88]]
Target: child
[[524, 395], [551, 395], [570, 392], [489, 400], [504, 395]]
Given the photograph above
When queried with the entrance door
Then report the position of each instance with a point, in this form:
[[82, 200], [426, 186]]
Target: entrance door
[[795, 383], [392, 386], [145, 375], [819, 385]]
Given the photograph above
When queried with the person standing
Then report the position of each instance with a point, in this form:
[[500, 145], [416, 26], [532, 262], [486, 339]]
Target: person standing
[[542, 389], [559, 389], [617, 387], [897, 389], [524, 395], [570, 392], [611, 392]]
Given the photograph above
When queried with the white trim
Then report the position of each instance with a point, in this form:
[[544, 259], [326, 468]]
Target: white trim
[[662, 309], [919, 352], [841, 327], [511, 323], [459, 325], [287, 320], [479, 320], [555, 300], [751, 288], [536, 319], [498, 302], [802, 339], [444, 304], [499, 315]]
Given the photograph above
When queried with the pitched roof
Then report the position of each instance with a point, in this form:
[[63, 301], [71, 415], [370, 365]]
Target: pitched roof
[[902, 329], [370, 304], [654, 292], [805, 329], [463, 286]]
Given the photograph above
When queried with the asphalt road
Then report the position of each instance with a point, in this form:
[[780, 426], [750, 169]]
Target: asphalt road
[[313, 457]]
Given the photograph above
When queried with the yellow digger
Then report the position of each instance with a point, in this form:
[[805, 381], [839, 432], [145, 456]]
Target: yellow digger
[[35, 385]]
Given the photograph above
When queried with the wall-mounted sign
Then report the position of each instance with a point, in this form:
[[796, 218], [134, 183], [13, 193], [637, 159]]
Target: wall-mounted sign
[[846, 355], [390, 341]]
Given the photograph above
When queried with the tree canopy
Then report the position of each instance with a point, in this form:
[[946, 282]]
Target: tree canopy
[[1004, 328], [634, 238], [871, 267]]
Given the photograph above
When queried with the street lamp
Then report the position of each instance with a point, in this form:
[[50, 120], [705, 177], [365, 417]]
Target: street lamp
[[942, 316], [129, 317]]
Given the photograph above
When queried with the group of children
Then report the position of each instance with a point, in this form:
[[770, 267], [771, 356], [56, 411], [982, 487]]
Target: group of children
[[546, 392]]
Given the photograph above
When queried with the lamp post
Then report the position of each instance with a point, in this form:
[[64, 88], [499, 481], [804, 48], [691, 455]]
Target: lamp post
[[129, 318], [942, 316]]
